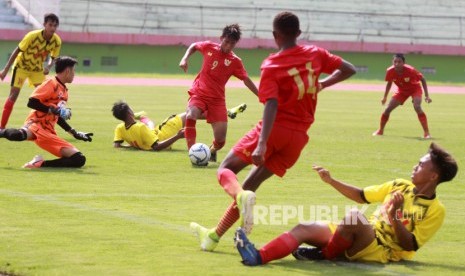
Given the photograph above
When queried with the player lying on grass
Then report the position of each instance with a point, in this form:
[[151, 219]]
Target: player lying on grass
[[409, 215], [48, 102], [144, 134]]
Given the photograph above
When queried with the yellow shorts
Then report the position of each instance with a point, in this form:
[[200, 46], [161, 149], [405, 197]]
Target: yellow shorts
[[169, 127], [20, 76], [372, 253]]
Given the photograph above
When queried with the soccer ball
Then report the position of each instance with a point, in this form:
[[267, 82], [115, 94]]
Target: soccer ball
[[199, 154]]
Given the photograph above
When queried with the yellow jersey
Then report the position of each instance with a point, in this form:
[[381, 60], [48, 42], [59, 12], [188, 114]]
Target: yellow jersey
[[421, 216], [34, 49], [142, 137]]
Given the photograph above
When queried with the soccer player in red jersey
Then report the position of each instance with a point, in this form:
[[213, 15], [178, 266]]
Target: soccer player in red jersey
[[48, 104], [28, 59], [208, 90], [408, 216], [289, 88], [407, 79]]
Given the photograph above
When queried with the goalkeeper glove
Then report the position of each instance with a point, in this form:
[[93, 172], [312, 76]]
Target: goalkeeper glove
[[84, 136], [64, 113]]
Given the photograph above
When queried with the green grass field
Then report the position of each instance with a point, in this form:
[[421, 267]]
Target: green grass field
[[127, 212]]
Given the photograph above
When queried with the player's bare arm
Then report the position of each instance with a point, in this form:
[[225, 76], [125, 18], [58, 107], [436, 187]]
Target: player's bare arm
[[12, 58], [425, 89], [349, 191], [345, 71], [405, 238], [251, 85], [183, 63], [168, 142], [386, 92], [49, 65], [269, 115]]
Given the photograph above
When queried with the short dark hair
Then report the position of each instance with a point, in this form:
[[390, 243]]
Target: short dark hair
[[287, 23], [51, 17], [443, 162], [399, 55], [232, 31], [63, 62], [120, 110]]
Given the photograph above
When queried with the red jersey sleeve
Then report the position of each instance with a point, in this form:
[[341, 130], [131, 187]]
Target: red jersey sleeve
[[240, 71], [268, 88], [330, 62], [202, 45], [389, 74]]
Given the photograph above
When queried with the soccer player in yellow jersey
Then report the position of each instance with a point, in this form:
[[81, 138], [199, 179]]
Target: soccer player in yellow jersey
[[29, 58], [409, 215], [144, 135]]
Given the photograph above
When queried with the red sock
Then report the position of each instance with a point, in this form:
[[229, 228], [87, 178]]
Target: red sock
[[424, 122], [279, 248], [190, 133], [336, 246], [383, 121], [229, 218], [228, 180], [217, 146], [7, 109]]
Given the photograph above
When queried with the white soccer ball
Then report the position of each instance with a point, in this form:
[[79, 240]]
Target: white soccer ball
[[199, 154]]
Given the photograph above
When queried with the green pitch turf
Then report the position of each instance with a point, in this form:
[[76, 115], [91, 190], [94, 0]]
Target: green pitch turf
[[127, 212]]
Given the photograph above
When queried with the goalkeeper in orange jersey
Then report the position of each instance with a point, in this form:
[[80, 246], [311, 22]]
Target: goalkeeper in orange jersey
[[409, 216], [48, 104]]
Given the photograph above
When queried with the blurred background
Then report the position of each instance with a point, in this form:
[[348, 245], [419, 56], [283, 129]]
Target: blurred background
[[150, 36]]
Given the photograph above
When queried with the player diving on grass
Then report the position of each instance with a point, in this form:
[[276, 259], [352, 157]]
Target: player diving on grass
[[409, 215], [48, 104], [138, 131]]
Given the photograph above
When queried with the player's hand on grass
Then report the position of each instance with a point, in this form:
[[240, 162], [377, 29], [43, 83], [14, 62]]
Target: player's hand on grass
[[84, 136], [323, 173]]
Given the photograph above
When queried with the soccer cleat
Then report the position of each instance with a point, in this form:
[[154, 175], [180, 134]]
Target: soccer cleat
[[2, 132], [206, 243], [232, 113], [36, 162], [378, 133], [427, 136], [250, 255], [304, 253], [245, 201], [213, 156], [139, 115]]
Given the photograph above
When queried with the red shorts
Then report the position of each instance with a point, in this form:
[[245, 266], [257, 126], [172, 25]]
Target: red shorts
[[282, 149], [402, 96], [216, 110], [48, 140]]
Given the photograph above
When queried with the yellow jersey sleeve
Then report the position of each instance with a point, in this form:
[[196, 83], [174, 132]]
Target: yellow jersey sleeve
[[426, 227], [26, 41], [118, 133], [378, 193]]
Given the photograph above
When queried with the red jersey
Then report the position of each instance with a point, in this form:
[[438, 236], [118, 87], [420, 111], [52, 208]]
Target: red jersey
[[217, 68], [408, 81], [291, 77], [52, 93]]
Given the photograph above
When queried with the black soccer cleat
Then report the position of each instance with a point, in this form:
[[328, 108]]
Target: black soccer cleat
[[308, 254]]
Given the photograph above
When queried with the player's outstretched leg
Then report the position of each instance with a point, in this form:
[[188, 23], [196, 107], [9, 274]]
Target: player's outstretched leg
[[207, 243], [245, 202], [232, 113], [250, 255]]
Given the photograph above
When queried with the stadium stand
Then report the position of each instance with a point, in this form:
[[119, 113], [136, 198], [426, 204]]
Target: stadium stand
[[9, 19]]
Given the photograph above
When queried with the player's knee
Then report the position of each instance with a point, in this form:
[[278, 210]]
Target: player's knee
[[78, 160], [15, 134]]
